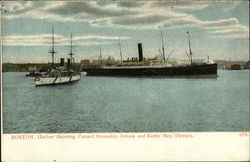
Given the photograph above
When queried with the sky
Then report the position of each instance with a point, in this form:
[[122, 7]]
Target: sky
[[218, 29]]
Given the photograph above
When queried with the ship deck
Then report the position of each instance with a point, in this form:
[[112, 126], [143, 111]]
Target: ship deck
[[151, 66]]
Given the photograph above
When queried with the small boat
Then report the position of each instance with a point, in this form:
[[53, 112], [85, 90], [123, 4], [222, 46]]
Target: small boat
[[33, 74], [59, 74], [247, 65], [233, 67]]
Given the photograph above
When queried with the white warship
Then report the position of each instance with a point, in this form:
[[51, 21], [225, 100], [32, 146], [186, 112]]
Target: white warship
[[59, 74]]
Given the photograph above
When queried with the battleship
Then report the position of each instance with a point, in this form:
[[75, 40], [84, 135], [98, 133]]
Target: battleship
[[193, 69], [59, 74]]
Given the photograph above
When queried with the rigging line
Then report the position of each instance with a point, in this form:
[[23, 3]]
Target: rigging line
[[187, 55], [170, 54], [120, 48]]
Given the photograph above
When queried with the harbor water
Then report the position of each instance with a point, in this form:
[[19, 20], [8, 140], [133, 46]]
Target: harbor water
[[120, 104]]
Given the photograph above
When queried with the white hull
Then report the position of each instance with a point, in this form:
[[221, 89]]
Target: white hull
[[54, 80]]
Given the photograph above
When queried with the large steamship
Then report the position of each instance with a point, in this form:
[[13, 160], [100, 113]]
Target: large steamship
[[193, 69]]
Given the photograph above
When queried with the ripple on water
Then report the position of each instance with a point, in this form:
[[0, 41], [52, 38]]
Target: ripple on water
[[109, 104]]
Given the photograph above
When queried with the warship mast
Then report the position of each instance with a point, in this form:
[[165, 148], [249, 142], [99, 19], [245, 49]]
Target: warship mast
[[52, 51], [71, 51]]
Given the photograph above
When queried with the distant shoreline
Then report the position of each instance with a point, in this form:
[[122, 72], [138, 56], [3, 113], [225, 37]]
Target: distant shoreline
[[21, 67]]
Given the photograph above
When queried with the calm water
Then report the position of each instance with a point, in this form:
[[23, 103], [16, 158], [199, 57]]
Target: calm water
[[106, 104]]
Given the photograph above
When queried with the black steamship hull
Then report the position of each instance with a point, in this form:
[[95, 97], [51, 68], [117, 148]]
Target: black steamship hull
[[191, 70]]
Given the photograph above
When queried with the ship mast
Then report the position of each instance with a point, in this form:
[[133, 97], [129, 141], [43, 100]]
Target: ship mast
[[52, 51], [120, 48], [190, 51], [71, 51], [163, 51]]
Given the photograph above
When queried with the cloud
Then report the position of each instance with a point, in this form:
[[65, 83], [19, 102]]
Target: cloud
[[145, 17], [66, 11], [130, 4], [130, 15], [226, 28], [220, 23], [181, 5], [63, 11], [156, 19], [10, 7], [29, 40], [35, 10], [90, 9], [231, 35], [21, 36], [141, 20], [103, 37], [60, 40]]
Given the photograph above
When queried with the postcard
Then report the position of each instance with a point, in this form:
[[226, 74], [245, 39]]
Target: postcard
[[125, 81]]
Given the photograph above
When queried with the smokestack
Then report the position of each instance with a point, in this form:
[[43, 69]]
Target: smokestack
[[140, 51], [68, 62], [62, 61]]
